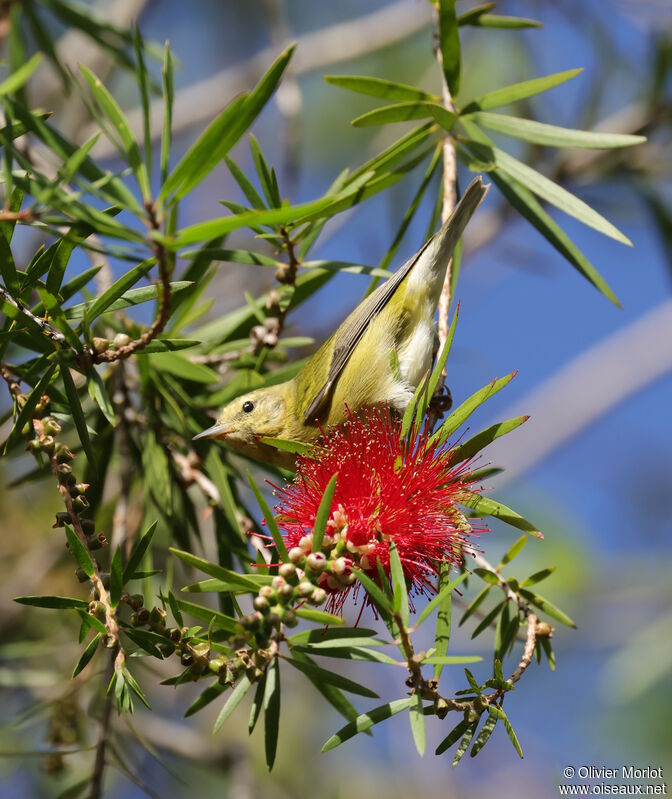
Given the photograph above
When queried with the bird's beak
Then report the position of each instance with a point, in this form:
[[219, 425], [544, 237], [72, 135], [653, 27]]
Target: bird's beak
[[216, 431]]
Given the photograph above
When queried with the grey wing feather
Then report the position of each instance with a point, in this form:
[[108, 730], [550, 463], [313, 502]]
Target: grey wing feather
[[354, 327]]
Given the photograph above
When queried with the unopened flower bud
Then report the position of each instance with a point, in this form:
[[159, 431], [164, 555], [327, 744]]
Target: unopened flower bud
[[306, 543], [34, 445], [290, 618], [286, 593], [316, 562], [305, 589], [273, 619], [100, 345], [544, 630], [318, 596], [260, 603], [339, 566], [266, 591], [296, 555], [121, 340], [287, 570], [277, 582]]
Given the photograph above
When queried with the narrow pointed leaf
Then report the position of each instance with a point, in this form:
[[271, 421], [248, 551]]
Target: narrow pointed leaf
[[317, 673], [397, 112], [452, 737], [378, 87], [547, 607], [551, 135], [513, 551], [498, 713], [449, 45], [417, 718], [486, 506], [484, 735], [215, 570], [209, 695], [87, 654], [235, 698], [270, 520], [323, 513], [445, 590], [77, 414], [80, 552], [20, 77], [365, 721], [475, 444], [53, 602], [333, 695], [399, 585], [519, 91], [464, 743], [271, 712]]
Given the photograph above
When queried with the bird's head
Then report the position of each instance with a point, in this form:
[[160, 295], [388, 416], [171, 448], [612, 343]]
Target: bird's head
[[244, 420]]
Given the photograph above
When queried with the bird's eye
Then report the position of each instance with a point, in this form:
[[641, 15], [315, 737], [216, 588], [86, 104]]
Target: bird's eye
[[248, 406]]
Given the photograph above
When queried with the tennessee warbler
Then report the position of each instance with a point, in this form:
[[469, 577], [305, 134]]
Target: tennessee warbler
[[377, 356]]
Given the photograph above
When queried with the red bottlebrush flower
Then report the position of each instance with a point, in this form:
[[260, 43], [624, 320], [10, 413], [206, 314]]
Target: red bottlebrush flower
[[388, 489]]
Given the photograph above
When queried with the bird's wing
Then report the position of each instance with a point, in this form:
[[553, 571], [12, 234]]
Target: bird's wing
[[354, 327]]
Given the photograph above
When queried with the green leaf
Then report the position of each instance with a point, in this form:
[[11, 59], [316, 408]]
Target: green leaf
[[116, 579], [443, 619], [484, 735], [416, 716], [376, 595], [365, 721], [27, 410], [235, 698], [215, 570], [20, 77], [318, 616], [179, 365], [323, 513], [220, 136], [271, 712], [397, 112], [399, 584], [513, 551], [99, 395], [547, 607], [53, 602], [87, 654], [465, 409], [496, 21], [295, 447], [318, 674], [378, 87], [439, 598], [333, 695], [209, 695], [551, 135], [8, 269], [475, 444], [340, 643], [554, 194], [227, 623], [225, 587], [464, 743], [451, 660], [117, 289], [486, 506], [168, 97], [170, 345], [449, 45], [80, 552], [144, 86], [527, 205], [487, 620], [129, 147], [53, 306], [475, 603], [498, 713], [519, 91], [537, 577], [270, 520], [452, 737], [245, 184], [77, 413], [257, 704]]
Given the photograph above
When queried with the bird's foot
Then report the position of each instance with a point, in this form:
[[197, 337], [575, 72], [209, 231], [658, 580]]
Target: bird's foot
[[441, 402]]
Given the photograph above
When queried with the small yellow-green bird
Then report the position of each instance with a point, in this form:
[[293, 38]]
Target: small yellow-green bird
[[377, 356]]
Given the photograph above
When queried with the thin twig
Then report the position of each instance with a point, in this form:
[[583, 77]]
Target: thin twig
[[55, 335], [96, 788], [163, 313]]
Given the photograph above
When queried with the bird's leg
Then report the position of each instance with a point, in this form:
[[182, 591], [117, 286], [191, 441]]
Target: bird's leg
[[442, 401]]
